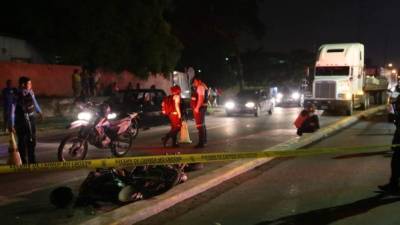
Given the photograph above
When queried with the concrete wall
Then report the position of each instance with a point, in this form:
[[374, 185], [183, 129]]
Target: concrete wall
[[55, 80]]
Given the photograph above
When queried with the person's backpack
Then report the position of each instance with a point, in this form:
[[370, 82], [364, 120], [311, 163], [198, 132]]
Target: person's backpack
[[168, 105]]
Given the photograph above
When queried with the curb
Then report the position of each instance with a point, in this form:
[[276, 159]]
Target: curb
[[141, 210]]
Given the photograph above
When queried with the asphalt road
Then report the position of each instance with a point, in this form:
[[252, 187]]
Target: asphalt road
[[317, 190], [24, 197]]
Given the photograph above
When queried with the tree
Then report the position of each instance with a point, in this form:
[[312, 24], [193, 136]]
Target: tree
[[113, 35], [210, 32], [276, 69]]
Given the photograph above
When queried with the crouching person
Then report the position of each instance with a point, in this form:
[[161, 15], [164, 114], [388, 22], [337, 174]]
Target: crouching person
[[307, 121]]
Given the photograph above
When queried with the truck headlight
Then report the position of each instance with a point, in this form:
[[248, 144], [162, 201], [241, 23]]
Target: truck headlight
[[111, 116], [230, 105], [84, 116], [296, 95], [346, 96], [250, 105]]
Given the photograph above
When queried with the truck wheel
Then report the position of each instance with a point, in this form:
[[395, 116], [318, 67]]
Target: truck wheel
[[365, 103], [349, 110]]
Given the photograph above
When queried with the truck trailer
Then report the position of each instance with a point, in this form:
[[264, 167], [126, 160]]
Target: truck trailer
[[340, 82]]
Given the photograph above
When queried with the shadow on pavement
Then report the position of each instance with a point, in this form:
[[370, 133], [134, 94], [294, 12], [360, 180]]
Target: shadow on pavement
[[328, 215]]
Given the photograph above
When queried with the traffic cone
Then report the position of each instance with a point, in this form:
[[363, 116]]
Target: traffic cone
[[13, 157], [184, 134]]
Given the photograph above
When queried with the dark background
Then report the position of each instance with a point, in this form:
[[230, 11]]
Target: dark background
[[308, 23]]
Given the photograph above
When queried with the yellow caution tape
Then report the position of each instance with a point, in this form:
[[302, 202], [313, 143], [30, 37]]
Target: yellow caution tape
[[182, 158]]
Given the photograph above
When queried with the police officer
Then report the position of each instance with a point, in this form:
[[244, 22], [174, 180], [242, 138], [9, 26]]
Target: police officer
[[393, 185], [23, 120], [199, 106]]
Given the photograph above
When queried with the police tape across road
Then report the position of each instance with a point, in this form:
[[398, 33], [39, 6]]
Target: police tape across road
[[182, 158]]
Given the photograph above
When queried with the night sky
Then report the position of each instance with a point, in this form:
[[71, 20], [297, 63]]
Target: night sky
[[305, 24]]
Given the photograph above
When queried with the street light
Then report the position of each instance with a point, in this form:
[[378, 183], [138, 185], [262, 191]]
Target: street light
[[390, 64], [394, 71]]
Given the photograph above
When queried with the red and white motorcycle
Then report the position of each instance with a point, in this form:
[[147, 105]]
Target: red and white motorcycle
[[98, 126]]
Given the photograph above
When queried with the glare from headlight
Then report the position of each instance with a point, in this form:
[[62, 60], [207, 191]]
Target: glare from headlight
[[295, 95], [111, 116], [250, 104], [279, 96], [230, 105], [84, 116]]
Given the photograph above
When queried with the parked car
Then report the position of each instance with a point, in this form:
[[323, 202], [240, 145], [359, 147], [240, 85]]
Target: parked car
[[145, 101], [250, 102]]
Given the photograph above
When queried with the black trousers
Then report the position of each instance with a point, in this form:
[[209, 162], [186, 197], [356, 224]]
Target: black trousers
[[395, 163], [200, 118], [26, 135]]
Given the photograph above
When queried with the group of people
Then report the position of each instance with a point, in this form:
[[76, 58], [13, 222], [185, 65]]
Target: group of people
[[85, 83], [20, 106], [198, 104], [214, 96]]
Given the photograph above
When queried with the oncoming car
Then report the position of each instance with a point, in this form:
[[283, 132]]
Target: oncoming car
[[250, 102], [290, 98]]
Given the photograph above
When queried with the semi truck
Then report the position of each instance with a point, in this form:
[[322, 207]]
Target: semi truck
[[340, 83]]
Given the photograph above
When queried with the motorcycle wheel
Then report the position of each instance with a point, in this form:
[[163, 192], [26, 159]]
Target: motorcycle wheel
[[123, 144], [72, 148]]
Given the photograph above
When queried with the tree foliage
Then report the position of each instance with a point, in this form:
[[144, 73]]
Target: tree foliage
[[210, 32], [277, 69], [114, 35]]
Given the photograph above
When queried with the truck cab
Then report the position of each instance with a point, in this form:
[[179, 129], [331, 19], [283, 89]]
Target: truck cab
[[339, 78]]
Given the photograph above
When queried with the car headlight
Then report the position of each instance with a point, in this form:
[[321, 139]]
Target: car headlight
[[230, 105], [84, 116], [295, 95], [250, 105], [111, 116]]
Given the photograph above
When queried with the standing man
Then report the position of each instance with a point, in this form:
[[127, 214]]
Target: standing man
[[22, 120], [393, 185], [8, 94], [85, 82], [199, 105], [76, 83]]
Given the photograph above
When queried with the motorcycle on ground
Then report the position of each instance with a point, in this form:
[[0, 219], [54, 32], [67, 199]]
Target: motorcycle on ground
[[98, 126]]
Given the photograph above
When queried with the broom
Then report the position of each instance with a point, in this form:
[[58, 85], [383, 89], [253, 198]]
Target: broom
[[184, 137], [13, 157]]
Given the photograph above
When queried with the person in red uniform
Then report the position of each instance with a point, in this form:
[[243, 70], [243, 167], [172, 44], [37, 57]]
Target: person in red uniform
[[175, 117], [199, 106]]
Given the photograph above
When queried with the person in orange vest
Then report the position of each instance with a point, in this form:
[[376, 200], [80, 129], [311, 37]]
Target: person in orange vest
[[199, 105], [307, 121], [172, 108]]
